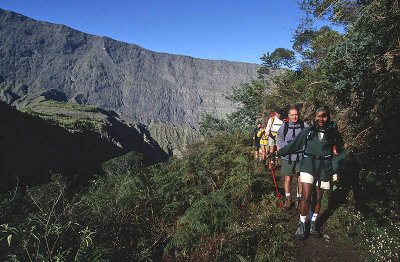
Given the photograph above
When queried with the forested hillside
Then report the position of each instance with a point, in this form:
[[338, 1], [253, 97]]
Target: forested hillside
[[216, 203], [357, 75]]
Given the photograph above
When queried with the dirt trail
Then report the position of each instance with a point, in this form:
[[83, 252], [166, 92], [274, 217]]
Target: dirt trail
[[328, 248]]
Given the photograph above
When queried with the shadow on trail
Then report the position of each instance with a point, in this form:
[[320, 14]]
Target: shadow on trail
[[329, 248], [349, 180]]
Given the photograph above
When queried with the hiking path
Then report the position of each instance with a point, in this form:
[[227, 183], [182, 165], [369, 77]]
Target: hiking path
[[329, 247]]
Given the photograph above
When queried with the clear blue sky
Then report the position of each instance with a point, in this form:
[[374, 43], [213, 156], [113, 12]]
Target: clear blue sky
[[212, 29]]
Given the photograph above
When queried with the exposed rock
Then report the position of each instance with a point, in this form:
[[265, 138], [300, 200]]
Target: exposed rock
[[102, 123], [173, 139], [69, 139], [137, 83]]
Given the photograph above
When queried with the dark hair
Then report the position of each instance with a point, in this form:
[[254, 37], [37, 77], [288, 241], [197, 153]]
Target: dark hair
[[324, 108], [328, 113], [278, 111]]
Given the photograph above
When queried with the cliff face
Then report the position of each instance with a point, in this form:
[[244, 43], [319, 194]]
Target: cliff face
[[39, 58], [73, 140]]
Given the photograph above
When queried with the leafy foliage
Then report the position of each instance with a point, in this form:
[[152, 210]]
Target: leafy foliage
[[73, 117], [313, 45], [45, 227], [249, 98], [126, 164], [211, 125], [357, 75], [364, 70], [345, 12], [214, 203], [220, 180], [280, 57]]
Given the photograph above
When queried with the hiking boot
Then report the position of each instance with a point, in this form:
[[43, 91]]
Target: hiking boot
[[314, 230], [288, 204], [301, 231]]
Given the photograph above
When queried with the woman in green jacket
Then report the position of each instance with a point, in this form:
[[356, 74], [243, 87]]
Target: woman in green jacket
[[324, 155]]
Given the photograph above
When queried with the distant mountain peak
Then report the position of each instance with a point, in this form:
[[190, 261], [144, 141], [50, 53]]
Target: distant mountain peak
[[135, 82]]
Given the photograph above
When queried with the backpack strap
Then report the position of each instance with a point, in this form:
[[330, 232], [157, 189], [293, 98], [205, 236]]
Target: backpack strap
[[285, 129], [272, 123], [301, 128], [270, 127], [317, 170]]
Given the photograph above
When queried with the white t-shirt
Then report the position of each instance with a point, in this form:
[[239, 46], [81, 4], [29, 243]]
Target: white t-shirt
[[275, 126], [321, 135]]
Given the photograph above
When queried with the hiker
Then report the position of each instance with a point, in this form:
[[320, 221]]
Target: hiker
[[263, 136], [323, 159], [290, 163], [270, 116], [256, 141], [273, 125]]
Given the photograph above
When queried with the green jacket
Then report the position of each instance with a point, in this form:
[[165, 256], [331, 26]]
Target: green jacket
[[321, 149]]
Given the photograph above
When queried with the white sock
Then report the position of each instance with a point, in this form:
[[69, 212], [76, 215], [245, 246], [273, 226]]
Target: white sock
[[303, 218], [287, 194], [298, 195], [314, 217]]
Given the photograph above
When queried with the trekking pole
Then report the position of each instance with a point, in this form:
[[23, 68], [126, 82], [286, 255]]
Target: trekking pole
[[276, 187]]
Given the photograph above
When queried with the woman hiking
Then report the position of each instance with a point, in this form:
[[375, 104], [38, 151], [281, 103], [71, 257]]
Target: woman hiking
[[263, 137], [256, 141], [323, 158]]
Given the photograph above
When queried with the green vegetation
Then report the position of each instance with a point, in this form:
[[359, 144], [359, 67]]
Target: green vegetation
[[213, 204], [173, 139], [73, 117], [377, 237], [356, 74], [280, 57], [126, 164], [69, 106]]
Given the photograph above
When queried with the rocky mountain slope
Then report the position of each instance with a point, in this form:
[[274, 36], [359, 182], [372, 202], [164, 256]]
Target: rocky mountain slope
[[156, 141], [54, 61], [64, 138]]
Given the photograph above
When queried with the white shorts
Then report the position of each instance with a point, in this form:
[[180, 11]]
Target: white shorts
[[309, 179]]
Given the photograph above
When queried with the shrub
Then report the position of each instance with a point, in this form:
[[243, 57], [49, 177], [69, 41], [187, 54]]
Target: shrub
[[126, 164]]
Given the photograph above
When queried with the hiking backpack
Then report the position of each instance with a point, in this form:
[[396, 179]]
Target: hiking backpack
[[286, 128], [285, 131]]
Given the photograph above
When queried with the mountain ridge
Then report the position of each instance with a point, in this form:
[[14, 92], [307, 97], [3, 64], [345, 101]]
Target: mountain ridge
[[135, 82]]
